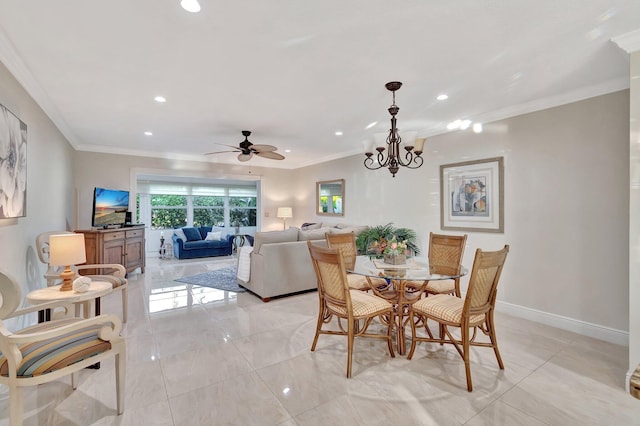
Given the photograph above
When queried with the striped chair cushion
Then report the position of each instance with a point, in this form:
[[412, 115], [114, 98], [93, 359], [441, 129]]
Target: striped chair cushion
[[364, 305], [53, 354], [441, 286], [446, 307], [115, 281], [358, 282]]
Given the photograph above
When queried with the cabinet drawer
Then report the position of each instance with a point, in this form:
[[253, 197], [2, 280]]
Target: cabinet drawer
[[114, 236], [135, 233]]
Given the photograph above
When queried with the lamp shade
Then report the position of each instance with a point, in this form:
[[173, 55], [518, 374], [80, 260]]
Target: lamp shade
[[284, 212], [66, 249]]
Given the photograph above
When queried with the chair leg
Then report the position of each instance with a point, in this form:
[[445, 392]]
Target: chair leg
[[392, 320], [350, 338], [413, 334], [318, 325], [120, 381], [16, 408], [494, 341], [125, 304], [465, 356], [441, 331]]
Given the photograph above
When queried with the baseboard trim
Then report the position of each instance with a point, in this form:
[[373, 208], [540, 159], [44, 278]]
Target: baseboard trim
[[596, 331]]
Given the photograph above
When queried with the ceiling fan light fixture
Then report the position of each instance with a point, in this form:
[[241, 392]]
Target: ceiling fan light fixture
[[190, 5]]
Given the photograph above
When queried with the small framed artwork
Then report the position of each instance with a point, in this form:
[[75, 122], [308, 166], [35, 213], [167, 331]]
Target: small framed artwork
[[13, 165], [472, 196]]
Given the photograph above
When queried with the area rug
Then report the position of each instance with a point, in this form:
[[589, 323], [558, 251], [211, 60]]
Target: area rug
[[222, 279]]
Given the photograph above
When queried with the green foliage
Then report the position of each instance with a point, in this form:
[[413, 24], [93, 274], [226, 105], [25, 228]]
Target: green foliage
[[388, 231]]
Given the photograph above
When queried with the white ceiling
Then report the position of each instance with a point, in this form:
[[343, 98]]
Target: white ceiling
[[295, 72]]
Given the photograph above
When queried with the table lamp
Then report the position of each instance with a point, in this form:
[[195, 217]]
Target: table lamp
[[284, 213], [66, 250]]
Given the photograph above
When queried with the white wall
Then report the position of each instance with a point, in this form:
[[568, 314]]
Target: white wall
[[566, 206], [50, 197], [634, 227]]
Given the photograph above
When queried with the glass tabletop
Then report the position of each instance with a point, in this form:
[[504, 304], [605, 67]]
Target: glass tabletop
[[416, 268]]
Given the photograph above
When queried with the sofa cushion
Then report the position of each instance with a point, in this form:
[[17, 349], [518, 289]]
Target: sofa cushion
[[192, 234], [202, 244], [314, 234], [180, 234], [285, 236], [204, 230]]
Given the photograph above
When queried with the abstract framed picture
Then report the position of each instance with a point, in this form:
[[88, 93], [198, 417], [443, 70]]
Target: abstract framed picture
[[472, 196], [13, 165]]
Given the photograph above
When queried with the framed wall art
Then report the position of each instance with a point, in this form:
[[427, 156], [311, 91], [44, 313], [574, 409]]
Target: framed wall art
[[13, 165], [472, 196]]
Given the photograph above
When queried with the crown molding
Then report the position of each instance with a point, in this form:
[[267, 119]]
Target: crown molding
[[21, 72], [629, 42]]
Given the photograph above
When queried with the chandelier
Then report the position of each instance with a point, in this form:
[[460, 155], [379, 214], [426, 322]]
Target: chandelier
[[394, 158]]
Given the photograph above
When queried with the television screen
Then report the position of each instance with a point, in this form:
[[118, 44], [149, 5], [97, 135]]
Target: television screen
[[110, 207]]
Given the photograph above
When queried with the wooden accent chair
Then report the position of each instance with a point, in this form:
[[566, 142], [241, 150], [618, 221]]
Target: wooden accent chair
[[109, 272], [474, 312], [50, 350], [346, 242], [445, 257], [354, 306]]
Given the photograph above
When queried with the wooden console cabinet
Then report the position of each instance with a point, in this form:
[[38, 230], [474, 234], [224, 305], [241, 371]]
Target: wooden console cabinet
[[123, 245]]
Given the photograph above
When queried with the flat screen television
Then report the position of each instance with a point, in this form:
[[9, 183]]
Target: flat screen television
[[110, 207]]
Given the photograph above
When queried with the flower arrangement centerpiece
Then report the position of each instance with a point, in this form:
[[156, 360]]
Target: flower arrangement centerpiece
[[375, 240], [395, 252]]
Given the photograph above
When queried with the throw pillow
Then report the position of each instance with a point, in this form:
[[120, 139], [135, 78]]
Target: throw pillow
[[204, 230], [311, 226], [213, 236], [192, 234], [357, 230], [180, 234]]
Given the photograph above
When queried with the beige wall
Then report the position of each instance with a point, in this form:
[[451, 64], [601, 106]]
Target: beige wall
[[50, 196], [566, 206]]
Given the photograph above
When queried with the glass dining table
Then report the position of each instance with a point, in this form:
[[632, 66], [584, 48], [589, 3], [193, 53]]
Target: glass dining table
[[403, 285]]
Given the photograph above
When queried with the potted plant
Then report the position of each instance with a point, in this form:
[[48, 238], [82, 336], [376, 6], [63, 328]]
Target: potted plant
[[373, 238]]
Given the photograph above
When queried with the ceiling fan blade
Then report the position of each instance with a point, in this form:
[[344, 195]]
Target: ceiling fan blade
[[219, 152], [263, 148], [245, 157], [270, 155]]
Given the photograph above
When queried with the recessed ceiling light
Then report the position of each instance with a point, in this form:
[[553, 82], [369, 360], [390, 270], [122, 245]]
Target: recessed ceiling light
[[442, 97], [148, 133], [370, 125], [454, 125], [287, 150], [190, 5], [338, 133], [477, 127], [160, 99]]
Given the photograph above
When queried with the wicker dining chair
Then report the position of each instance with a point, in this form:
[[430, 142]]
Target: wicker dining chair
[[445, 257], [346, 242], [337, 300], [474, 312], [50, 350]]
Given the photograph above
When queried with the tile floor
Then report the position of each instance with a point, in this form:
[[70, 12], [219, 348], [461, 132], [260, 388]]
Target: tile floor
[[199, 356]]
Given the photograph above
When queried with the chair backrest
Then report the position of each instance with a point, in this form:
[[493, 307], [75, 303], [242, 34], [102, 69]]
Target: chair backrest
[[483, 283], [10, 295], [332, 278], [346, 243], [445, 252]]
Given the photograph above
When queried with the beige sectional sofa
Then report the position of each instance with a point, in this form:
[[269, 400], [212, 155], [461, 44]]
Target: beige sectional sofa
[[280, 263]]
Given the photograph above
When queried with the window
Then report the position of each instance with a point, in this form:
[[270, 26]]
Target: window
[[168, 205]]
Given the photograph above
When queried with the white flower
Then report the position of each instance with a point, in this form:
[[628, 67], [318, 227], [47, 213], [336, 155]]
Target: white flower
[[13, 165]]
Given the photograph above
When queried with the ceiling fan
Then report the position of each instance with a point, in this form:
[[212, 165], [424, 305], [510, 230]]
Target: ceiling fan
[[246, 149]]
